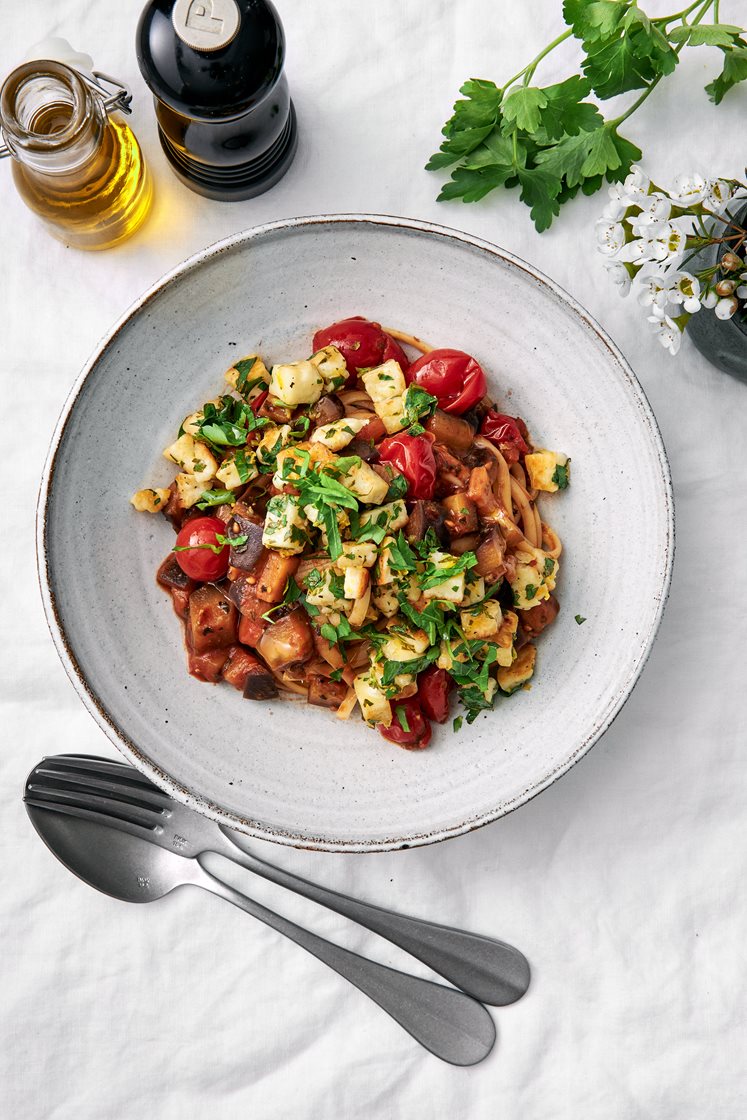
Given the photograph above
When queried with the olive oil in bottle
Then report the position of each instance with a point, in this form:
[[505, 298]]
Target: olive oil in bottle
[[77, 167]]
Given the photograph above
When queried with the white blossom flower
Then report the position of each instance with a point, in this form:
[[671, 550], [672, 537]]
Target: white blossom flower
[[665, 241], [717, 194], [725, 308], [617, 205], [636, 185], [655, 209], [689, 189], [684, 288], [636, 252], [668, 333], [619, 275], [610, 238], [709, 300], [741, 291], [654, 291]]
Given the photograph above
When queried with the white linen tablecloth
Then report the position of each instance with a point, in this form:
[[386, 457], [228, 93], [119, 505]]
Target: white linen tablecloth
[[624, 882]]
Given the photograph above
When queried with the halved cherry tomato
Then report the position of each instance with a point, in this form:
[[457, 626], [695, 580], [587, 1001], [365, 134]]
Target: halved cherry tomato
[[508, 433], [409, 727], [452, 376], [434, 686], [413, 457], [362, 343], [198, 537]]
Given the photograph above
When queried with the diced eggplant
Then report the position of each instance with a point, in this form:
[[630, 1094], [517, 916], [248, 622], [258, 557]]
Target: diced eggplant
[[246, 555], [260, 683], [273, 576], [324, 693], [460, 545], [453, 431], [242, 592], [491, 556], [289, 641], [311, 564], [373, 431], [212, 619], [426, 515], [207, 666], [239, 665], [461, 514], [451, 473], [180, 599], [536, 619], [251, 629], [275, 411], [326, 410], [171, 575], [364, 449]]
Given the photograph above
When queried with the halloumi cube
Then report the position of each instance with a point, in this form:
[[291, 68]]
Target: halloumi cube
[[386, 601], [229, 474], [150, 500], [190, 489], [547, 470], [451, 588], [355, 582], [254, 380], [393, 515], [357, 555], [483, 621], [534, 578], [374, 705], [193, 457], [474, 589], [392, 414], [286, 528], [368, 486], [384, 382], [505, 639], [517, 675], [296, 383], [332, 366], [339, 433]]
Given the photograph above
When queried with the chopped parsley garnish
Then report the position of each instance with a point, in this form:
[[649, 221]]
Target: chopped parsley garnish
[[430, 619], [401, 556], [560, 476], [244, 367], [580, 620], [229, 425], [393, 669], [397, 488], [219, 544], [530, 591], [216, 498], [549, 566], [434, 574], [457, 724], [418, 403], [401, 715]]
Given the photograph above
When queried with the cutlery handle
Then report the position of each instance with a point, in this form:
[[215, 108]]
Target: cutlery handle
[[450, 1024], [483, 967]]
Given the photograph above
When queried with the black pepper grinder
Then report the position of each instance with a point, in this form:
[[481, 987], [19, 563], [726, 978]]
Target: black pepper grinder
[[225, 118]]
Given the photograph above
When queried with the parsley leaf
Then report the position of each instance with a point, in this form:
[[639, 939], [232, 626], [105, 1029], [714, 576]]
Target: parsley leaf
[[580, 620], [401, 556], [401, 715], [397, 488], [216, 498], [560, 476], [244, 367], [393, 669]]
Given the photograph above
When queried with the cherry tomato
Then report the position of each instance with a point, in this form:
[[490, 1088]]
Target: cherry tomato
[[200, 562], [409, 727], [361, 343], [508, 433], [413, 457], [433, 693], [452, 376]]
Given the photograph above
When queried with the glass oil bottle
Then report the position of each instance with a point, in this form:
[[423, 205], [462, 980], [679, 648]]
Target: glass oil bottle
[[75, 162]]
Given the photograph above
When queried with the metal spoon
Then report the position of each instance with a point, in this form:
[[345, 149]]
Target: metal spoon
[[490, 970], [453, 1026]]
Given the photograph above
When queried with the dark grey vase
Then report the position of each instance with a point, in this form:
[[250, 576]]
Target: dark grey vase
[[722, 341]]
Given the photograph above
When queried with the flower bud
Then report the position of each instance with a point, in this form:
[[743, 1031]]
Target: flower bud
[[725, 308], [730, 262], [726, 288]]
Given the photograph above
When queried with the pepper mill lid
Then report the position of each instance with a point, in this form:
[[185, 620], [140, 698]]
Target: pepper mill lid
[[210, 58]]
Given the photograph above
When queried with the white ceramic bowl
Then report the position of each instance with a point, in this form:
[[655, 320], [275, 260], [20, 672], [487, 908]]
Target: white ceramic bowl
[[282, 770]]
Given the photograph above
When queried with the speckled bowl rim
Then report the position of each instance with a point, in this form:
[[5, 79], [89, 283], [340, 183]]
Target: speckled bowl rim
[[191, 797]]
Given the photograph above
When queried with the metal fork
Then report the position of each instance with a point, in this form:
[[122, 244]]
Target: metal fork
[[118, 794]]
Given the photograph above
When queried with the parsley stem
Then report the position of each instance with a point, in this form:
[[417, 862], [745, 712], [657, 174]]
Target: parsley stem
[[705, 6], [529, 69]]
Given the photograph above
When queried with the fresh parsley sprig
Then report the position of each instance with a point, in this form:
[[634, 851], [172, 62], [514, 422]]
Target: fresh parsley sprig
[[549, 142]]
